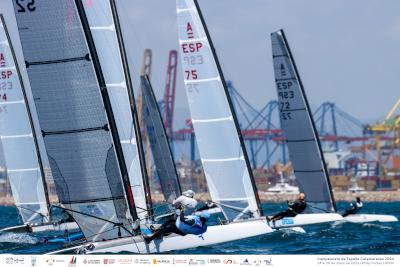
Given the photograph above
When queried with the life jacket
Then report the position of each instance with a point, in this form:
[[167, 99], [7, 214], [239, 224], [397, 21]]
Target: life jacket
[[197, 228], [359, 205]]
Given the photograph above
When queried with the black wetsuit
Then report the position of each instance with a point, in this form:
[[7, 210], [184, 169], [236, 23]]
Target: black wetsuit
[[295, 208], [354, 208]]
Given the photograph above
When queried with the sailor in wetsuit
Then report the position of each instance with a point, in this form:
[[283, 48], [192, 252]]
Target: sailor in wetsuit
[[354, 207], [294, 208], [186, 202], [183, 225]]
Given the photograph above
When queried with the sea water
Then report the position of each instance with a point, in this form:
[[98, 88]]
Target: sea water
[[331, 238]]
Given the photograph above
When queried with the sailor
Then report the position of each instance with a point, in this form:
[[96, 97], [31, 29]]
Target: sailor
[[186, 202], [354, 207], [183, 225], [294, 208]]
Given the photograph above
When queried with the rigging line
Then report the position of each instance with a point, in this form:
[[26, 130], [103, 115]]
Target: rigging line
[[39, 213], [313, 207], [95, 217], [234, 209]]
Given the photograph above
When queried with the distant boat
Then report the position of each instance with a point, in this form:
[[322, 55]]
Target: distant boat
[[302, 138]]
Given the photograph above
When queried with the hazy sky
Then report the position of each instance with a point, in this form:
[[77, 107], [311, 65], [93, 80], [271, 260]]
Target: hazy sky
[[347, 52]]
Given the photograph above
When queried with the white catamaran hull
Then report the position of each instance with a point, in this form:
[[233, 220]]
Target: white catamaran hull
[[41, 228], [364, 218], [214, 235], [306, 219]]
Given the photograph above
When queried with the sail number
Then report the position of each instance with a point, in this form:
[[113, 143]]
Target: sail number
[[3, 97], [23, 6]]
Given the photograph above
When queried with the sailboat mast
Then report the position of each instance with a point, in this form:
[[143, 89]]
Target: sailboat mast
[[35, 140], [235, 120], [314, 128], [107, 105], [134, 112]]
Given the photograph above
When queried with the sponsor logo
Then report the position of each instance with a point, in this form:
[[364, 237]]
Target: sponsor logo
[[15, 260], [197, 262], [109, 261], [33, 261], [72, 262], [229, 261], [268, 261], [154, 261], [164, 261], [287, 221], [91, 261], [245, 262], [124, 261], [214, 261], [257, 262], [179, 261]]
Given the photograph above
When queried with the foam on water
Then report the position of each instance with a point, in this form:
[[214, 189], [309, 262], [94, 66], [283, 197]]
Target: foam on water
[[18, 238]]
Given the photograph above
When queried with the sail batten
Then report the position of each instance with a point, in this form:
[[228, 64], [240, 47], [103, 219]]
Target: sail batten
[[301, 136], [217, 131], [76, 122], [103, 23], [18, 127]]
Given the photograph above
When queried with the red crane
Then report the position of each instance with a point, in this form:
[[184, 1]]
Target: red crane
[[170, 88]]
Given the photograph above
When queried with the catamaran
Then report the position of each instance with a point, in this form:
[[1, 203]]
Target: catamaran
[[302, 138], [20, 135]]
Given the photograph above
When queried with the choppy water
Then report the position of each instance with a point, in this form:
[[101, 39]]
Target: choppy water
[[333, 238]]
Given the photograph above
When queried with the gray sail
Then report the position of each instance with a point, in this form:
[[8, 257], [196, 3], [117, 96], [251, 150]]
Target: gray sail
[[74, 117], [159, 144], [301, 135]]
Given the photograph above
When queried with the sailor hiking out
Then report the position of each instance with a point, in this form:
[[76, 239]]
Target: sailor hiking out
[[354, 207], [183, 225], [294, 208], [186, 202]]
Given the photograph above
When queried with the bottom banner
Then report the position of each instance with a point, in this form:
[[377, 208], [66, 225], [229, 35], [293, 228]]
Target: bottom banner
[[203, 260]]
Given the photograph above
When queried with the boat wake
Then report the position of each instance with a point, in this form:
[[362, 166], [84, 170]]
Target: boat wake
[[18, 238], [379, 226]]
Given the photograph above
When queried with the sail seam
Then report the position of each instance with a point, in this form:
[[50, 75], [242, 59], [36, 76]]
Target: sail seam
[[105, 127], [57, 61], [93, 200]]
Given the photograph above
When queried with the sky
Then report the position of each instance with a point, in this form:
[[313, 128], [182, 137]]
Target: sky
[[347, 52]]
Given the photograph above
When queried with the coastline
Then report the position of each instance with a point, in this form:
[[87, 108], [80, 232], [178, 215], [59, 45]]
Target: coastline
[[366, 196]]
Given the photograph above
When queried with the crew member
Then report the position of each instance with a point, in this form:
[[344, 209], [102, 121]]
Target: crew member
[[186, 202], [354, 207], [294, 208], [183, 225]]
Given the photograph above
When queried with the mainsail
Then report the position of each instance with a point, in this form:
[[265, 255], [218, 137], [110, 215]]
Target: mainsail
[[17, 129], [221, 147], [301, 136], [103, 21], [74, 112], [159, 144]]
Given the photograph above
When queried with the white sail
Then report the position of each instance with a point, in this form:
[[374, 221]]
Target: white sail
[[221, 151], [103, 29], [17, 129], [301, 136]]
